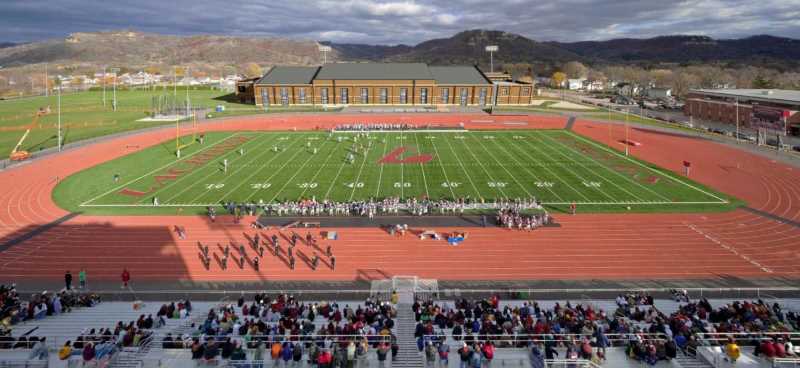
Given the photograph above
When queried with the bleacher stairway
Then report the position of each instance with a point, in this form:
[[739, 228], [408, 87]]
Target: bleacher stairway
[[408, 355], [687, 361]]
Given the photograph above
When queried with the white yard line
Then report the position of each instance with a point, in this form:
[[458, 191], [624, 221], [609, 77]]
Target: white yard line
[[380, 174], [438, 162], [402, 171], [574, 173], [321, 166], [547, 168], [463, 169], [333, 183], [611, 171], [668, 175], [156, 170], [484, 169], [277, 172], [513, 177], [513, 157], [424, 181], [545, 203], [255, 172], [401, 131], [358, 177], [212, 172]]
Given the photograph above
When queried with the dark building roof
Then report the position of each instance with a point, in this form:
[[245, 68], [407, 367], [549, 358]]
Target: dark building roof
[[374, 71], [458, 75], [289, 75]]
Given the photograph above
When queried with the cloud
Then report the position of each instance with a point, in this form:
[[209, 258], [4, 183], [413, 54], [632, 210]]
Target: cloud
[[403, 21]]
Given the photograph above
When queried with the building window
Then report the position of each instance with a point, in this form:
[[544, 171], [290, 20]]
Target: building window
[[302, 92], [504, 91], [344, 97], [365, 95], [384, 95], [323, 95], [265, 97], [423, 96], [284, 96], [403, 95], [445, 95], [526, 90], [464, 94], [482, 96], [241, 88]]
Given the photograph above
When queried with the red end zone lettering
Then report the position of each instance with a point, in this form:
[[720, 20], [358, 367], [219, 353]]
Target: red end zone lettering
[[394, 157]]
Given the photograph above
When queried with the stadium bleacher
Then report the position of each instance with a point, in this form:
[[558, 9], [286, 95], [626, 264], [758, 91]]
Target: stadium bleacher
[[290, 324]]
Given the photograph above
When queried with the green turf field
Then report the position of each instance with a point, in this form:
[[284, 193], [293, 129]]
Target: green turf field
[[84, 116], [557, 167]]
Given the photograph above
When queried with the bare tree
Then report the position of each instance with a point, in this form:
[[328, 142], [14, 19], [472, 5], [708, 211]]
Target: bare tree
[[575, 69]]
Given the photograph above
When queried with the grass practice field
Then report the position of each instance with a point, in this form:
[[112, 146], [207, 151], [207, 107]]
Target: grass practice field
[[557, 167], [84, 116]]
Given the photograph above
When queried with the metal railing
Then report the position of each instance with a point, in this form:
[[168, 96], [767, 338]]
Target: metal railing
[[24, 363], [772, 293]]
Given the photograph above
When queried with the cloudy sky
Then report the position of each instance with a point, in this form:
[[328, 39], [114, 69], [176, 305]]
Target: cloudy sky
[[401, 21]]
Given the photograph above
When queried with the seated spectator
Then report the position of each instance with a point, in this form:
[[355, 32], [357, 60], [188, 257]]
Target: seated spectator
[[88, 352], [66, 351], [39, 350]]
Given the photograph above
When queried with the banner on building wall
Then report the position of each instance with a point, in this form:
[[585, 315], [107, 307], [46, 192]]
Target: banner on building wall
[[771, 118]]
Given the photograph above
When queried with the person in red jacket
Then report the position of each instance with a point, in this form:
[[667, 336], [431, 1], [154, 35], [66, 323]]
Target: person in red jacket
[[126, 277], [768, 349]]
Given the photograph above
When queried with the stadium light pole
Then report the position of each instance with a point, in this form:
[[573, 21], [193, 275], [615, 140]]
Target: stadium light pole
[[59, 117], [114, 101], [491, 49], [324, 49]]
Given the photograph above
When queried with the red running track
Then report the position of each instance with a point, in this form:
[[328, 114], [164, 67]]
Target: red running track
[[637, 246]]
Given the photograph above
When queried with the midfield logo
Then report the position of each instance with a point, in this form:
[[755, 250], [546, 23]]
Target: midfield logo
[[394, 157]]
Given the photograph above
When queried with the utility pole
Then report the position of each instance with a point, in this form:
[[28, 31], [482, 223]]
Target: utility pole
[[627, 141], [104, 86], [737, 119], [59, 117]]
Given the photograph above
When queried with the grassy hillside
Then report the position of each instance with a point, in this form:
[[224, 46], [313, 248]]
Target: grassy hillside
[[83, 115]]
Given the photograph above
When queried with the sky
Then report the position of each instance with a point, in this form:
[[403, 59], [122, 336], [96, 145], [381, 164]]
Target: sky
[[401, 21]]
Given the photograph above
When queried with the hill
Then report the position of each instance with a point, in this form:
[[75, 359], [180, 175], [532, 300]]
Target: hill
[[468, 48], [136, 49], [755, 50]]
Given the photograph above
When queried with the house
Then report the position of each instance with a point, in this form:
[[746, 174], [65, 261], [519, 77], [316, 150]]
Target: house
[[659, 93], [627, 89], [594, 85], [575, 84]]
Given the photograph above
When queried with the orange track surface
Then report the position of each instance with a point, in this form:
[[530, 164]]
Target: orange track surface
[[636, 246]]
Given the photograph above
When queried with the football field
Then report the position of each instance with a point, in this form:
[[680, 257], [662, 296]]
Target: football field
[[556, 167]]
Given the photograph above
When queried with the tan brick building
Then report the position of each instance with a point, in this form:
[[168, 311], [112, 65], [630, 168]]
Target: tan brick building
[[385, 84]]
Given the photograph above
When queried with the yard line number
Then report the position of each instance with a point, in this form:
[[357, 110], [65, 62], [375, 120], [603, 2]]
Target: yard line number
[[258, 186], [215, 186], [592, 184], [497, 184]]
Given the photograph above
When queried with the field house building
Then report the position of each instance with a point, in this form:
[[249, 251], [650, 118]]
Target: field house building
[[381, 84], [772, 109]]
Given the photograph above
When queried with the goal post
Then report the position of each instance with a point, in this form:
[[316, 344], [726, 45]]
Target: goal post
[[179, 141]]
